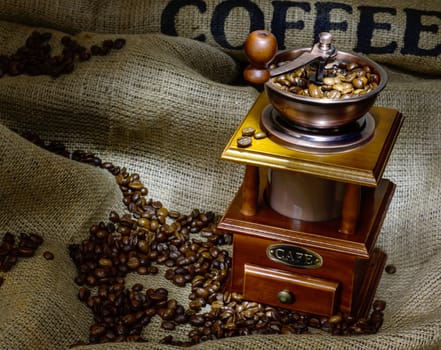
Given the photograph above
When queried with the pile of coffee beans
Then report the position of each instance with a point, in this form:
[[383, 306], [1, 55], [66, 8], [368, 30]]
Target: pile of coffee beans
[[343, 80], [15, 247], [193, 254], [138, 242], [35, 56]]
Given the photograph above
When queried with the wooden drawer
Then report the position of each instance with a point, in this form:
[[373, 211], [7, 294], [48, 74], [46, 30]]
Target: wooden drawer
[[290, 290]]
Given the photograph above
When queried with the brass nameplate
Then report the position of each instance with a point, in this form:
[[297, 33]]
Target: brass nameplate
[[294, 256]]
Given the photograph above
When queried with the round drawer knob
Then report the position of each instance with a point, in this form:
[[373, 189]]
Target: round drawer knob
[[285, 297]]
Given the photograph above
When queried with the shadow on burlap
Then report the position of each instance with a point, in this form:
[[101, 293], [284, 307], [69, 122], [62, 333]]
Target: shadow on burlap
[[165, 107]]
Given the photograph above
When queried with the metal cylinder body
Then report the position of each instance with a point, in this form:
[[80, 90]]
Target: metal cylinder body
[[304, 197]]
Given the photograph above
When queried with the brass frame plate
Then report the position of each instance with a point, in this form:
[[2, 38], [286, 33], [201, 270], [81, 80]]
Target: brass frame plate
[[363, 165]]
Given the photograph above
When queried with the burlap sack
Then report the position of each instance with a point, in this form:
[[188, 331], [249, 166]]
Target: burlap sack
[[165, 108], [405, 33]]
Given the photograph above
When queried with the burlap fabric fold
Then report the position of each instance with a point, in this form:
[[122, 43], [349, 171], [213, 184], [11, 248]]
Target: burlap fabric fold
[[165, 107]]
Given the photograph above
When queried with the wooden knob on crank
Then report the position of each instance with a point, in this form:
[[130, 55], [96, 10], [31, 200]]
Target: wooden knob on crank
[[260, 47]]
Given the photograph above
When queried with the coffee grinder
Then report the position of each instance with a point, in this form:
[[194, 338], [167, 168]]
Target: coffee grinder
[[313, 200]]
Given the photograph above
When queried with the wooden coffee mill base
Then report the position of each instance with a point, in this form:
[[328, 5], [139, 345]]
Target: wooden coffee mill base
[[318, 267]]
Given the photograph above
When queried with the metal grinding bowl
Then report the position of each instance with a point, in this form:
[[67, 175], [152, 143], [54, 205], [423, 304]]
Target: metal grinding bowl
[[314, 112]]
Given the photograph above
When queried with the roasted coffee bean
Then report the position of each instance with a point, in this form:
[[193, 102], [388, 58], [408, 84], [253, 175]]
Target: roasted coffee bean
[[173, 214], [24, 251], [195, 305], [83, 294], [143, 270], [96, 50], [167, 325], [248, 131], [84, 56], [137, 287], [162, 212], [259, 135], [391, 269], [91, 281], [119, 43], [128, 319], [179, 280], [48, 255], [335, 319], [166, 313], [105, 262], [108, 44], [244, 141], [113, 216], [37, 239], [133, 262], [97, 330], [379, 305], [197, 320], [181, 319], [201, 292]]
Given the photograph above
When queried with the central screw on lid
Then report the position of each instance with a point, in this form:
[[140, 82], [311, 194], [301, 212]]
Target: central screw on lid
[[325, 40]]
